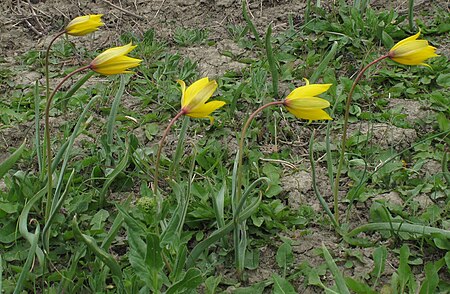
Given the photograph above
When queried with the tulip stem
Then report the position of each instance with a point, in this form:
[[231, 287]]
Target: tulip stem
[[47, 138], [161, 144], [241, 144], [238, 191], [47, 54], [344, 135]]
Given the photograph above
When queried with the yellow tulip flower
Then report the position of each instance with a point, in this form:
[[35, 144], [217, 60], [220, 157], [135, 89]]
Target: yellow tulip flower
[[302, 102], [411, 51], [193, 99], [83, 25], [114, 61]]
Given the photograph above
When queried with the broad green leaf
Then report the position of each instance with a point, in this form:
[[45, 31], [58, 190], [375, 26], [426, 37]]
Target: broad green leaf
[[211, 284], [190, 281], [443, 80], [284, 255], [431, 281], [282, 286], [379, 260]]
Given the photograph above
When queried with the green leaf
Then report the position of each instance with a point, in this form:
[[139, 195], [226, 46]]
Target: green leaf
[[190, 281], [431, 281], [211, 284], [358, 287], [443, 122], [443, 80], [105, 257], [284, 255], [282, 286], [379, 260], [98, 219], [9, 162], [337, 274], [153, 257]]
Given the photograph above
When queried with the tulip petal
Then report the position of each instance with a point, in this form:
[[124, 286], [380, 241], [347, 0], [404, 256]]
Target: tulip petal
[[203, 111], [308, 102], [84, 25], [196, 87], [406, 40], [113, 53], [201, 95], [310, 114], [308, 91], [114, 61], [183, 92]]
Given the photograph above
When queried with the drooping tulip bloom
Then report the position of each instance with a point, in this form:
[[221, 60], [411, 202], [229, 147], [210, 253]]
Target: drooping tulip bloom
[[302, 102], [115, 61], [83, 25], [194, 98], [411, 51]]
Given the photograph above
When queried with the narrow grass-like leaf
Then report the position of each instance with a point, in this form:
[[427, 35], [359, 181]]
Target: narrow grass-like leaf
[[64, 101], [272, 62], [23, 223], [445, 170], [53, 212], [174, 170], [218, 205], [66, 151], [100, 253], [37, 128], [314, 184], [335, 271], [411, 14], [324, 63], [308, 11], [220, 233], [1, 274], [179, 263], [113, 231], [9, 162], [34, 238], [281, 285], [400, 227], [70, 274], [190, 281], [111, 177], [250, 24], [247, 194], [112, 119]]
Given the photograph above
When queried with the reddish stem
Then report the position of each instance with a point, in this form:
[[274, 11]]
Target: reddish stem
[[161, 144]]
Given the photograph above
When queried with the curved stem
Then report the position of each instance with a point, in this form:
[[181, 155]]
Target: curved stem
[[161, 144], [241, 145], [344, 134], [239, 234], [47, 137], [47, 78]]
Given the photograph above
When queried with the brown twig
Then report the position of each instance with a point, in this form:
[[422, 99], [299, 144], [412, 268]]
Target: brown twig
[[36, 18], [159, 9], [123, 9]]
